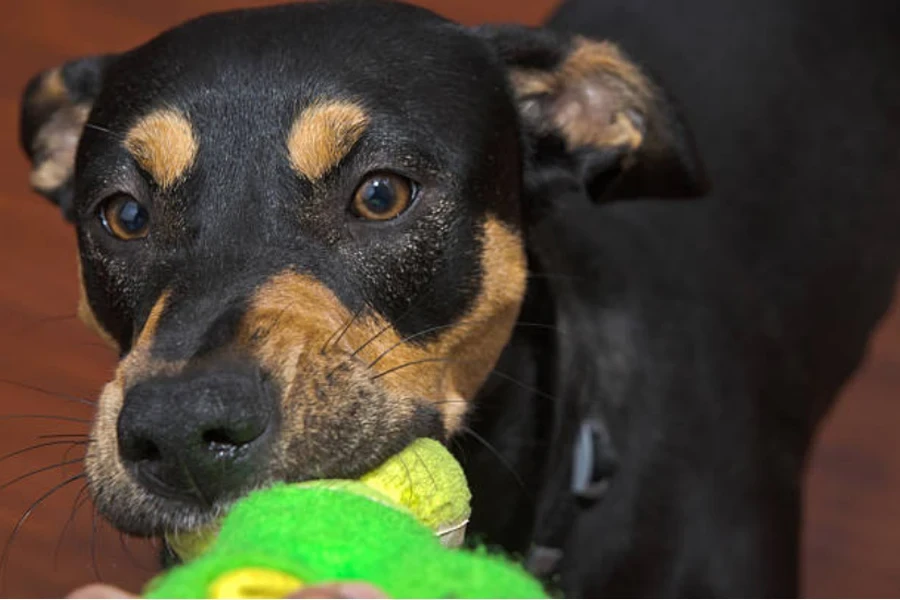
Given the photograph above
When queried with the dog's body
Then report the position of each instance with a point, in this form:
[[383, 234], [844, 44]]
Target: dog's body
[[708, 338], [664, 362]]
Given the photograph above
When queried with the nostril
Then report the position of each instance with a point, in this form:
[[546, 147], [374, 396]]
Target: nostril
[[231, 438], [219, 436], [141, 450]]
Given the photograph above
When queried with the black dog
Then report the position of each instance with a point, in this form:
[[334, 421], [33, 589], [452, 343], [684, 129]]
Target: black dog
[[319, 231]]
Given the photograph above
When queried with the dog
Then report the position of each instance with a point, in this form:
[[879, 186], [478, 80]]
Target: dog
[[316, 232]]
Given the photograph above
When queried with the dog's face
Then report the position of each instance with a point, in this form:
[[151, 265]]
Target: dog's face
[[303, 229]]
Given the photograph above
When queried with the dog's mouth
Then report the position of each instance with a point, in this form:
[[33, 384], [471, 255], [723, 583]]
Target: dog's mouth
[[173, 453], [141, 513], [136, 508]]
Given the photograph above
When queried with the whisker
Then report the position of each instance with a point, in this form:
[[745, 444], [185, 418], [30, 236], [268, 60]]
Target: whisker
[[426, 290], [424, 332], [377, 335], [38, 471], [533, 275], [47, 417], [413, 363], [74, 436], [461, 451], [424, 464], [496, 372], [430, 289], [264, 330], [77, 503], [123, 542], [409, 479], [101, 129], [47, 392], [38, 446], [95, 565], [524, 385], [500, 458], [343, 330], [72, 446], [12, 536]]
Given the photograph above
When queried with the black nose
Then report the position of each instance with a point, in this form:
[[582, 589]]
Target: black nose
[[200, 437]]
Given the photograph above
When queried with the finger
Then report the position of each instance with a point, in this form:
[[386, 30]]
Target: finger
[[99, 590], [339, 590]]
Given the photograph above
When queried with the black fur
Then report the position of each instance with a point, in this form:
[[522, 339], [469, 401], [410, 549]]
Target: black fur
[[711, 337], [700, 342]]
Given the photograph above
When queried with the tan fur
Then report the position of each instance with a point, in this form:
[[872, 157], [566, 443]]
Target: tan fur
[[54, 147], [163, 144], [102, 463], [86, 313], [138, 364], [105, 472], [593, 93], [292, 317], [51, 91], [148, 331], [322, 136]]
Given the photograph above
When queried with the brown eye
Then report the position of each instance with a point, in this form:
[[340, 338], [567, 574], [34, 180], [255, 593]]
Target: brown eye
[[124, 217], [383, 197]]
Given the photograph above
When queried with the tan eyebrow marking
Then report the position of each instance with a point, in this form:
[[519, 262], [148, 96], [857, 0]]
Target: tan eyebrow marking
[[164, 145], [323, 134]]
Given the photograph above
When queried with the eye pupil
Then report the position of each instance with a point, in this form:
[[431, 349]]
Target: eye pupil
[[383, 197], [132, 216], [124, 217], [379, 196]]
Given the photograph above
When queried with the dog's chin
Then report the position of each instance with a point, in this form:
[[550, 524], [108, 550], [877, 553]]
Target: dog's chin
[[150, 515]]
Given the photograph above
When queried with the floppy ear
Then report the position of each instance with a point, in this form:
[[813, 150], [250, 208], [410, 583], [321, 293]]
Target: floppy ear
[[591, 113], [55, 107]]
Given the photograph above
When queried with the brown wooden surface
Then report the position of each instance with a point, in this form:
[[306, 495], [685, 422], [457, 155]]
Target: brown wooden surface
[[852, 538]]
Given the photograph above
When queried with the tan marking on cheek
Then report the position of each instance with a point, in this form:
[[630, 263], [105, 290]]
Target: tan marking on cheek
[[148, 331], [139, 364], [290, 315], [110, 484], [86, 313], [322, 136], [292, 319], [594, 94], [163, 144], [472, 346]]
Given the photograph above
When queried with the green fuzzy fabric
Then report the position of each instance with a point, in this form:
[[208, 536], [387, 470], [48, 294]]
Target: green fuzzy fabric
[[322, 535]]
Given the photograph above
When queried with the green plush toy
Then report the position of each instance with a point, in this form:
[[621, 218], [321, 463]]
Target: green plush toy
[[396, 528]]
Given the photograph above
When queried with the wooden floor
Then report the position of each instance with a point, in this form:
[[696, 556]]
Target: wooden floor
[[852, 537]]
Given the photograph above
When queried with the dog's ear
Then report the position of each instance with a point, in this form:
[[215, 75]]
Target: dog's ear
[[592, 114], [55, 107]]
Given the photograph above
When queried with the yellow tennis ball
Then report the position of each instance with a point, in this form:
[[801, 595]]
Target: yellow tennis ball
[[426, 480], [423, 479]]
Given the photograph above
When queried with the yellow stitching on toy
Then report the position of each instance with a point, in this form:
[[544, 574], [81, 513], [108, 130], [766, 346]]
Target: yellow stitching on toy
[[254, 583]]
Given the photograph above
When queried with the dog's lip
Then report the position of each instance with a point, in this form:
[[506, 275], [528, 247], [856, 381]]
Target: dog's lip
[[160, 514], [167, 516], [165, 491]]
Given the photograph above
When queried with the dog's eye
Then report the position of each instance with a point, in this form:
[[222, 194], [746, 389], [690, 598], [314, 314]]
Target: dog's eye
[[382, 197], [124, 217]]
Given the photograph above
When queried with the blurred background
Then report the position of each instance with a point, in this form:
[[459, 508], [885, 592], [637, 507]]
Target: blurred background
[[51, 367]]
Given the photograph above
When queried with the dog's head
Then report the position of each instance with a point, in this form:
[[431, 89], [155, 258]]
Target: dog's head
[[302, 227]]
